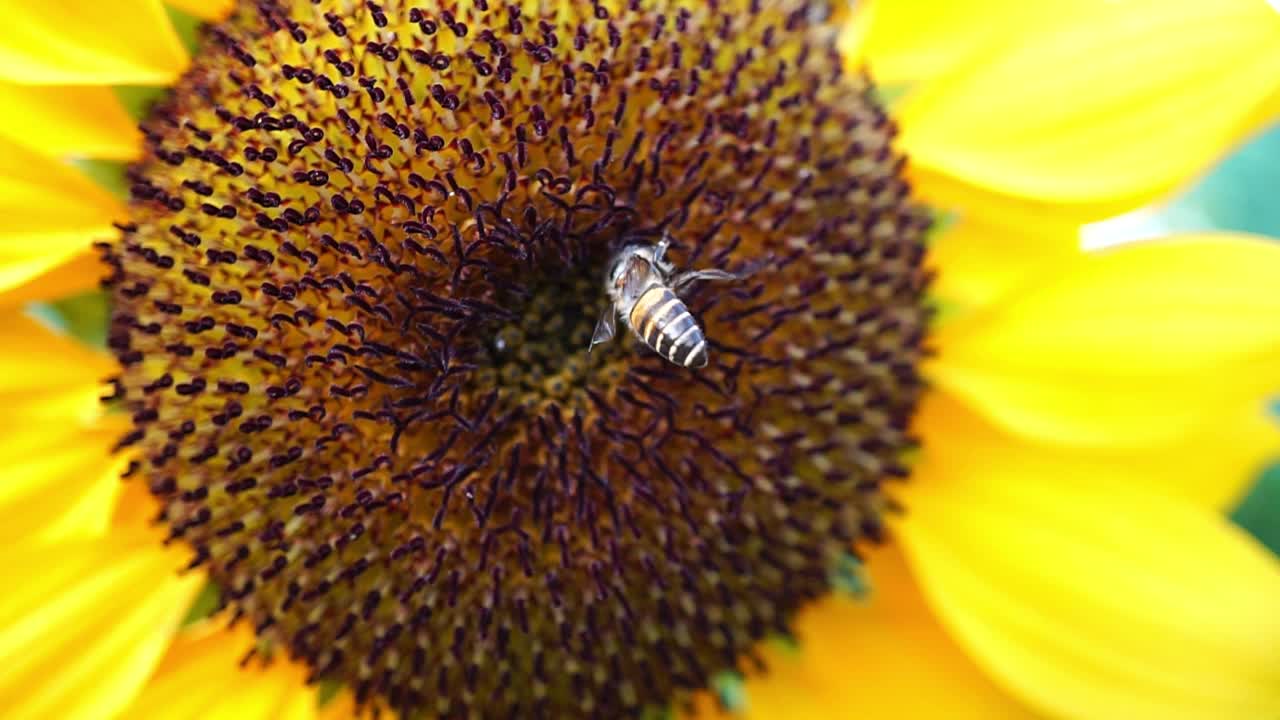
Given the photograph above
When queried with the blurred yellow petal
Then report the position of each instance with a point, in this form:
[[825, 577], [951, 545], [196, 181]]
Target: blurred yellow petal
[[1217, 464], [906, 41], [18, 275], [49, 214], [1125, 347], [81, 121], [979, 259], [870, 659], [201, 678], [135, 506], [84, 622], [1210, 468], [37, 358], [61, 276], [59, 477], [1109, 106], [211, 10], [83, 42], [48, 203], [1085, 594]]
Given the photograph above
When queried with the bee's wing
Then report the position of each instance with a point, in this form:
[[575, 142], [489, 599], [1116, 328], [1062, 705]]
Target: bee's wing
[[605, 327]]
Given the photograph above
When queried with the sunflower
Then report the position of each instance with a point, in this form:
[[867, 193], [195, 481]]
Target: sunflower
[[371, 466]]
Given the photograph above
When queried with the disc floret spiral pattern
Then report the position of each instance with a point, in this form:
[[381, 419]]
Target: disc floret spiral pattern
[[353, 306]]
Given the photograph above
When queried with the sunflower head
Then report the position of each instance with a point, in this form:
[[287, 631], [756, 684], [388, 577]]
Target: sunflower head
[[354, 307]]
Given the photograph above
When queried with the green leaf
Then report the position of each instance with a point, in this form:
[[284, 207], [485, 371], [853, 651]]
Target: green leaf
[[205, 604], [849, 577], [187, 27], [138, 99], [108, 174], [84, 316], [731, 689], [327, 691]]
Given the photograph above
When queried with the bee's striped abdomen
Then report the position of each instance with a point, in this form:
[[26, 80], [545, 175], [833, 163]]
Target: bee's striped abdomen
[[665, 324]]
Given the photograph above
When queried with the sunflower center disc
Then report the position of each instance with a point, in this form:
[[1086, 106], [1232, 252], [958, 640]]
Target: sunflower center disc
[[352, 311]]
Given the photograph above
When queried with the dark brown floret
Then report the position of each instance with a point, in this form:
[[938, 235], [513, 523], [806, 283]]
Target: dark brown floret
[[353, 312]]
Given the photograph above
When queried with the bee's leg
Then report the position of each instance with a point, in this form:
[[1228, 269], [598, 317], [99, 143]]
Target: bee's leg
[[605, 328], [685, 278]]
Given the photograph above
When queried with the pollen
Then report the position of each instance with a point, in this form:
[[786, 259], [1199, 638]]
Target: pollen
[[353, 305]]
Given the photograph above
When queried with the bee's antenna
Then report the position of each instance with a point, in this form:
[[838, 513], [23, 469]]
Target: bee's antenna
[[662, 246]]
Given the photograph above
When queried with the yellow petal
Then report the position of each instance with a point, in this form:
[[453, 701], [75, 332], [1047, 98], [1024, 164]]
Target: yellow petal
[[1109, 106], [49, 214], [49, 202], [1216, 465], [212, 10], [979, 259], [82, 42], [82, 121], [1087, 595], [83, 622], [59, 477], [906, 41], [1129, 346], [36, 358], [135, 506], [871, 659], [202, 678], [59, 276], [1211, 468]]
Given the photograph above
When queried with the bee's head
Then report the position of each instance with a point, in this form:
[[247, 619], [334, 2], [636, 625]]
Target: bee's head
[[625, 258], [628, 270]]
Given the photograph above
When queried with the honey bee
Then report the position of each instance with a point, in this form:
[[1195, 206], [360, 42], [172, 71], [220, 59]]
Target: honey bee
[[642, 288]]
